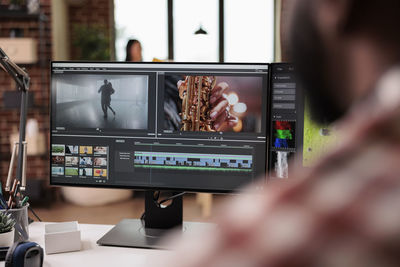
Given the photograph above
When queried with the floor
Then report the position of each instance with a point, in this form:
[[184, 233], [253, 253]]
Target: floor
[[113, 213], [89, 114]]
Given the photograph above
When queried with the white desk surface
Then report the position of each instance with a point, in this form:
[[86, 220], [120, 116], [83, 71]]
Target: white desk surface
[[92, 254]]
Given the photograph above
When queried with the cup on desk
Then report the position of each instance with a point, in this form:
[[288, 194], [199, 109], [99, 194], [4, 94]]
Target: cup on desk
[[20, 215]]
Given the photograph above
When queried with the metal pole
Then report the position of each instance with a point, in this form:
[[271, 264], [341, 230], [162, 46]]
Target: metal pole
[[22, 79], [22, 128]]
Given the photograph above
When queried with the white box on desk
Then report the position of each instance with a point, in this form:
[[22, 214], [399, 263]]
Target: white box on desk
[[62, 237]]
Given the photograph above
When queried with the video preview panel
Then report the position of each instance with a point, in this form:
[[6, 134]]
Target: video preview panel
[[195, 103], [101, 101]]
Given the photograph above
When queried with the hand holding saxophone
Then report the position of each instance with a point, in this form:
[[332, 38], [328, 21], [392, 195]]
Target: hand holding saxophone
[[205, 106], [220, 107]]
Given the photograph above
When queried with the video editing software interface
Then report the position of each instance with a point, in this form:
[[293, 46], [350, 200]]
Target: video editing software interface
[[287, 120], [181, 126]]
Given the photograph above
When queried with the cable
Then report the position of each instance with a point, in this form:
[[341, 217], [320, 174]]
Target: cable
[[169, 198], [34, 213]]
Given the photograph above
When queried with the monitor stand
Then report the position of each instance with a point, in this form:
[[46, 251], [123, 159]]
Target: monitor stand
[[157, 222]]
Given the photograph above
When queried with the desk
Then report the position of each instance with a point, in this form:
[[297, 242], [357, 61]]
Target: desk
[[92, 254]]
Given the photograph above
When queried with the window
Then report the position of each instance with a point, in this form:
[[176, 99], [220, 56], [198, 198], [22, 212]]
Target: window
[[145, 21], [249, 30], [189, 15]]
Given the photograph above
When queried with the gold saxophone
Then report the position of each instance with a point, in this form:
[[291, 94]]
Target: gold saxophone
[[195, 93]]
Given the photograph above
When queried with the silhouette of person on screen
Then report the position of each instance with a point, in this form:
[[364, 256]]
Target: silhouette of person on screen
[[106, 91]]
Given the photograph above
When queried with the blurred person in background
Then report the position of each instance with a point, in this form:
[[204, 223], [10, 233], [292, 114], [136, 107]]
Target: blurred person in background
[[345, 210], [134, 51]]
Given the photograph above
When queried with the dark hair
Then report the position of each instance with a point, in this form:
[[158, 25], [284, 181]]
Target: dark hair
[[128, 48], [380, 19]]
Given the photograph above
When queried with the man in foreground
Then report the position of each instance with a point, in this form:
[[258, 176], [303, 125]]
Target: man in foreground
[[345, 210]]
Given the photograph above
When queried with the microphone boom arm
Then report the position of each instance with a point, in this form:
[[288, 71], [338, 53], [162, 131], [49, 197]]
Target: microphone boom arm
[[22, 79]]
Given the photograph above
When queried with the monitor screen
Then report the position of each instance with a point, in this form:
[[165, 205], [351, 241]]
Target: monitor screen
[[176, 126]]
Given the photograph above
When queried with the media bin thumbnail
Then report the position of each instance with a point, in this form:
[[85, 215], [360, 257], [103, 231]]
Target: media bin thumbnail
[[100, 150], [101, 101], [71, 161], [100, 162], [213, 103], [85, 150], [57, 171], [70, 149], [57, 160], [86, 172], [85, 161], [57, 150], [70, 171], [100, 173]]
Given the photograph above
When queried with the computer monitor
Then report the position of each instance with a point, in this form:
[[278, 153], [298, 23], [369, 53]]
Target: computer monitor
[[158, 126]]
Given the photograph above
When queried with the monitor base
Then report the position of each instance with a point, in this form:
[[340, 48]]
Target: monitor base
[[158, 220], [131, 233]]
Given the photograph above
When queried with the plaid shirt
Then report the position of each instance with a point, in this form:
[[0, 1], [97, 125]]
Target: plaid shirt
[[345, 211]]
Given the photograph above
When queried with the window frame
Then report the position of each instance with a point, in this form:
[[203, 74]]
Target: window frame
[[221, 30], [221, 27]]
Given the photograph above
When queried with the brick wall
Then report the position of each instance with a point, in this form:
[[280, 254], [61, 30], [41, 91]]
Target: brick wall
[[88, 12], [38, 166], [92, 12]]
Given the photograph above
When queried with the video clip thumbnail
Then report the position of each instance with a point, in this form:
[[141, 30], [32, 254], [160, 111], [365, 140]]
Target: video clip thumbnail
[[85, 161], [100, 173], [57, 160], [86, 150], [71, 149], [58, 150], [70, 171], [57, 171], [71, 161], [100, 162], [85, 172], [100, 150]]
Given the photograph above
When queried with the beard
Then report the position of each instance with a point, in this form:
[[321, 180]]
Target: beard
[[311, 62]]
